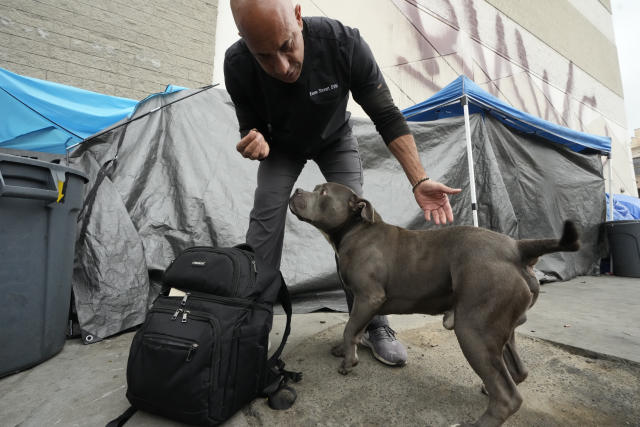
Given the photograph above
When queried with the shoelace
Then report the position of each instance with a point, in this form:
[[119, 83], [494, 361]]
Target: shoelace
[[382, 333]]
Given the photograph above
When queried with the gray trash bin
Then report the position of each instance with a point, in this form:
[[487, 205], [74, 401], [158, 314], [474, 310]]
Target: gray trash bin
[[39, 205], [624, 247]]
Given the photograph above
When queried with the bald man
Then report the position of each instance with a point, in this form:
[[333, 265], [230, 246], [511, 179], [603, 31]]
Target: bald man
[[289, 78]]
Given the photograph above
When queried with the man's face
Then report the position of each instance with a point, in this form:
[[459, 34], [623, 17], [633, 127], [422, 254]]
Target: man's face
[[276, 42]]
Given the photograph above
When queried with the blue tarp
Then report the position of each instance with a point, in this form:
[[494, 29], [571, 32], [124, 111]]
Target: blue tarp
[[38, 115], [624, 207], [446, 103], [44, 116]]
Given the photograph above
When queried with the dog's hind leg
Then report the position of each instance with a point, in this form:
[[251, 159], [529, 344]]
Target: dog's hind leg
[[483, 330], [511, 358], [483, 349]]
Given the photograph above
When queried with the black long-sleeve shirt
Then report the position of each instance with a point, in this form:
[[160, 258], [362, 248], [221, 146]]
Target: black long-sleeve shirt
[[306, 116]]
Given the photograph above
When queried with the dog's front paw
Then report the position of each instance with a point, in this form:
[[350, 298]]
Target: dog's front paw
[[338, 350], [344, 370], [346, 367]]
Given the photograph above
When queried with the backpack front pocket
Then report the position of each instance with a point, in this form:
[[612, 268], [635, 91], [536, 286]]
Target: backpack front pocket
[[173, 365]]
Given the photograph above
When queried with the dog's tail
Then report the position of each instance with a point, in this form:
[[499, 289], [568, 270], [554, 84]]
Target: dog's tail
[[531, 249]]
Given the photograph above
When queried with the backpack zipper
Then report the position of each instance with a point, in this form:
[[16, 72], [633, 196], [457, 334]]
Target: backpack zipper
[[234, 302], [254, 266], [238, 302], [174, 342]]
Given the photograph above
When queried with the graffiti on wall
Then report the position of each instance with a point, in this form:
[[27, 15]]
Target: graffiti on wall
[[506, 62]]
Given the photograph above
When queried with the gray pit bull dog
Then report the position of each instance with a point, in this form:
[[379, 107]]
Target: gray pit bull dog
[[481, 280]]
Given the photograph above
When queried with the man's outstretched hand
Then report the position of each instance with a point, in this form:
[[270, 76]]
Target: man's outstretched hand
[[253, 146], [433, 200]]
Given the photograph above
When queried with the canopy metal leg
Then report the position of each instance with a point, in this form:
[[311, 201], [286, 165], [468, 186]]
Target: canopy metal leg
[[610, 188], [610, 207], [472, 175]]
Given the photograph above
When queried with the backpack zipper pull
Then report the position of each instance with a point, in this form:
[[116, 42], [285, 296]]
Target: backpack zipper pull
[[255, 269], [184, 315], [175, 315], [184, 299], [192, 350]]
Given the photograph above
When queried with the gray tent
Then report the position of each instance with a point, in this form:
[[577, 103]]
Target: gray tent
[[169, 178]]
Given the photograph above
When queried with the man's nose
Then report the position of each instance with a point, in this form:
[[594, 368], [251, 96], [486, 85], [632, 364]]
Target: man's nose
[[282, 64]]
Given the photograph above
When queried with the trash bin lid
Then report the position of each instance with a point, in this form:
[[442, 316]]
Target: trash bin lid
[[56, 167]]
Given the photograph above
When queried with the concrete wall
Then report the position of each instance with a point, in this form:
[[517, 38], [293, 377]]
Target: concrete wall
[[128, 48], [554, 59]]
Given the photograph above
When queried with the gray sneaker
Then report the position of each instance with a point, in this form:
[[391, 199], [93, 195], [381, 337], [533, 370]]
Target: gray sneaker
[[384, 346]]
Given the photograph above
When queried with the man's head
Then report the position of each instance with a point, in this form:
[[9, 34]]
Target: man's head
[[272, 30]]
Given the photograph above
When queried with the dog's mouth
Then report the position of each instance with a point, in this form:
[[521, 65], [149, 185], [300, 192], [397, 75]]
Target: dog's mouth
[[297, 203]]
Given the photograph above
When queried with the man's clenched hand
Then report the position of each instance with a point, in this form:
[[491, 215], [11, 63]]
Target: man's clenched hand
[[253, 146]]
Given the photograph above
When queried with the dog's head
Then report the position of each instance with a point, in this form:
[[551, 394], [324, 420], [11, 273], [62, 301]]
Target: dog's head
[[331, 206]]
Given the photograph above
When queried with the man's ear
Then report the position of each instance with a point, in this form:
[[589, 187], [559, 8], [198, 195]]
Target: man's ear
[[298, 12], [364, 206]]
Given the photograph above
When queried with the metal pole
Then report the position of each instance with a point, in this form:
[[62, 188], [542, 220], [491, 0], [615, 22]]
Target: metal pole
[[472, 176], [610, 209], [610, 188]]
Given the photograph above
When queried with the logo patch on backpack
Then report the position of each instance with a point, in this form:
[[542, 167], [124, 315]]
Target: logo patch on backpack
[[199, 263]]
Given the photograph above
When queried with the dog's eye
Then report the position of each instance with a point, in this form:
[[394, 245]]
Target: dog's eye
[[323, 192]]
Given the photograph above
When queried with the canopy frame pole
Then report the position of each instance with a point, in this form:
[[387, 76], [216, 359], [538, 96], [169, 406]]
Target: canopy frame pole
[[472, 176], [610, 187], [610, 206]]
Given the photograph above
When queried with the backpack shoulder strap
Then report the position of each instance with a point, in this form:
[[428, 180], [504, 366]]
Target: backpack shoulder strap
[[277, 377], [245, 247], [122, 419], [285, 301]]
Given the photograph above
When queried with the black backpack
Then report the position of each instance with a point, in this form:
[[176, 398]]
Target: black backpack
[[200, 357]]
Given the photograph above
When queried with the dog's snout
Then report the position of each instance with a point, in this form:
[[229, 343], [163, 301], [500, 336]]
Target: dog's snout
[[297, 200]]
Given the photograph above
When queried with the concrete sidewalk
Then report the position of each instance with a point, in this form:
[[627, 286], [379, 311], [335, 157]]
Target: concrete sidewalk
[[591, 378]]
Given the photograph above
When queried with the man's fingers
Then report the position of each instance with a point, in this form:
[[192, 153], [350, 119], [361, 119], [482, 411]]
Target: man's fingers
[[427, 215], [257, 150], [254, 150], [248, 139], [449, 190], [443, 217], [253, 146], [448, 211], [264, 152]]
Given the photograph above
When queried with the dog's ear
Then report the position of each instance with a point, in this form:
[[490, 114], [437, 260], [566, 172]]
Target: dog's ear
[[364, 207]]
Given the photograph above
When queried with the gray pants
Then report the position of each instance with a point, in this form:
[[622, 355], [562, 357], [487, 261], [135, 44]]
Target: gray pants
[[276, 176]]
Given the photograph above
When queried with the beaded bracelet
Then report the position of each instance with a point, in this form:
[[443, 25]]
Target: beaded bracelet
[[426, 178]]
